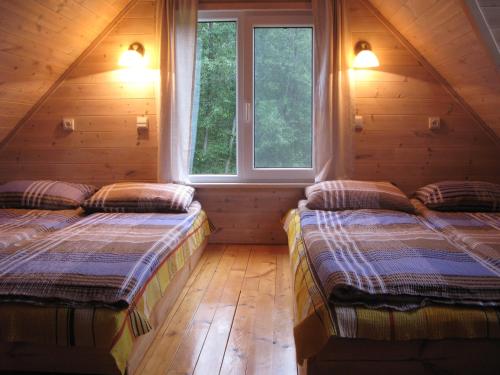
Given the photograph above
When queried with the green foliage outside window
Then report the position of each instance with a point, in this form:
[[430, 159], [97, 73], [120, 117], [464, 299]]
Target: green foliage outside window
[[283, 98], [214, 108]]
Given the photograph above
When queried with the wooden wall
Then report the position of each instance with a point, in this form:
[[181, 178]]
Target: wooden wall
[[106, 146], [444, 35], [395, 101], [248, 214], [38, 41], [395, 145]]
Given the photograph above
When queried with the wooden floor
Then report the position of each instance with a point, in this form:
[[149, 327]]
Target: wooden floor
[[233, 317]]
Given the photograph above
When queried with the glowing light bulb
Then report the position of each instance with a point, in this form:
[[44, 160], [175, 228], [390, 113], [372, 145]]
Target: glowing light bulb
[[366, 59], [131, 59]]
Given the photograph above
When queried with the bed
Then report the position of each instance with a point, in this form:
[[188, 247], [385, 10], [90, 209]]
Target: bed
[[479, 231], [17, 224], [91, 297], [32, 208], [383, 323]]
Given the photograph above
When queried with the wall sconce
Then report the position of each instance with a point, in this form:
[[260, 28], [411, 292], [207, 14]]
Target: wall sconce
[[133, 57], [365, 58]]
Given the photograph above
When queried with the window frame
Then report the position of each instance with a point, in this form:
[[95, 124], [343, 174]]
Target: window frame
[[246, 21]]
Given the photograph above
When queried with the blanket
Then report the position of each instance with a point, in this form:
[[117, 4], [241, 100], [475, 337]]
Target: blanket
[[17, 224], [319, 321], [102, 260], [392, 259]]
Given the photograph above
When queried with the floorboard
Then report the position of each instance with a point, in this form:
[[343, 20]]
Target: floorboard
[[234, 316]]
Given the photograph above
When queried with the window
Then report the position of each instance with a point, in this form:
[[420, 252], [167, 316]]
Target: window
[[282, 97], [253, 98], [214, 100]]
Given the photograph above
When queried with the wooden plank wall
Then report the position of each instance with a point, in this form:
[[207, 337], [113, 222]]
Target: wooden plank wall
[[248, 215], [38, 41], [444, 35], [395, 145], [395, 101], [106, 146]]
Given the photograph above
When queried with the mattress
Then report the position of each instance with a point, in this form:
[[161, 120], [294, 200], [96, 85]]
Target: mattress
[[18, 225], [109, 327], [318, 320]]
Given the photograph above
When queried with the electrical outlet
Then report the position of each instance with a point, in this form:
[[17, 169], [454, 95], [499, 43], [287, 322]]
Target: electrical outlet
[[358, 123], [142, 123], [434, 123], [68, 124]]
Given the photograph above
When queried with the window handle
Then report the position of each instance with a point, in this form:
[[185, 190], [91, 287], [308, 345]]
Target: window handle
[[248, 108]]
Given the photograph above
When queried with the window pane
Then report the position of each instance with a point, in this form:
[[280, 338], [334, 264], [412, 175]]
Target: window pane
[[283, 97], [213, 130]]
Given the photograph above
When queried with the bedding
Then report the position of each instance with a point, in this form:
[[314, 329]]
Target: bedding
[[17, 224], [478, 233], [165, 242], [102, 260], [471, 196], [384, 258], [338, 195], [318, 320], [140, 197], [43, 194]]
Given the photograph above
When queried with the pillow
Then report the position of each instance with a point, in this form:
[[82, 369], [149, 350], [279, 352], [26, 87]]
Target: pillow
[[43, 194], [460, 196], [352, 195], [140, 197]]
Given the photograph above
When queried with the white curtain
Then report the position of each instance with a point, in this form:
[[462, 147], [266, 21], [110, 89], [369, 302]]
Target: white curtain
[[176, 28], [332, 110]]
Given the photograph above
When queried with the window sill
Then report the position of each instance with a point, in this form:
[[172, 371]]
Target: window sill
[[250, 185]]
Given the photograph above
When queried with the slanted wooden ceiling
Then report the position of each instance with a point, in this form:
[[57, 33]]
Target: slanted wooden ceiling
[[38, 42], [40, 39], [443, 33]]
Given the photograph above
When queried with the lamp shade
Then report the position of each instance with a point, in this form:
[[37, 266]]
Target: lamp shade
[[365, 58], [133, 57]]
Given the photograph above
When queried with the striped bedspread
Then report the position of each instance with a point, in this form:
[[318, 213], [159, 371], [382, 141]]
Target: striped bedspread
[[318, 320], [18, 224], [477, 233], [109, 330], [391, 259], [102, 260]]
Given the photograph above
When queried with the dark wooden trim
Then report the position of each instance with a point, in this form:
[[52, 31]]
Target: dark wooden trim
[[481, 28]]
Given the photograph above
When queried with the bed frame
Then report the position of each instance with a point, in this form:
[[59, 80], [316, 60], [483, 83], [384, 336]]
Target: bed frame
[[358, 356], [58, 359]]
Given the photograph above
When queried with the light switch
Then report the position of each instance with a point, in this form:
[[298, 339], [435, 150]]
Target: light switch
[[434, 123], [358, 122], [142, 123], [68, 124]]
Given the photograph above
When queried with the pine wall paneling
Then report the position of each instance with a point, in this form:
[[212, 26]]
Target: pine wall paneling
[[395, 101], [105, 146], [248, 214], [445, 36], [395, 145], [38, 42]]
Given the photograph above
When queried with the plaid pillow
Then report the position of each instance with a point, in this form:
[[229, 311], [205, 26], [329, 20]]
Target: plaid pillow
[[460, 196], [339, 195], [140, 197], [43, 194]]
